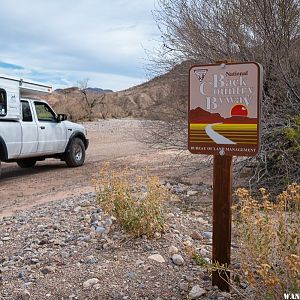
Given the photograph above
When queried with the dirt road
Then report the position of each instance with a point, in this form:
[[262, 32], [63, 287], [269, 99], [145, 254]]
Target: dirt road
[[114, 141]]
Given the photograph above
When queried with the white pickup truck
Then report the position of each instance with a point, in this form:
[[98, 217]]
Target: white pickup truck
[[31, 131]]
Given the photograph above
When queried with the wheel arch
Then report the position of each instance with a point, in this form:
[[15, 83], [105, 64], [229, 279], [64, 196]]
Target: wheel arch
[[77, 134], [3, 150]]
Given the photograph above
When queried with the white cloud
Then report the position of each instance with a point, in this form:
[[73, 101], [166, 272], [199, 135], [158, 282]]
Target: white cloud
[[72, 39]]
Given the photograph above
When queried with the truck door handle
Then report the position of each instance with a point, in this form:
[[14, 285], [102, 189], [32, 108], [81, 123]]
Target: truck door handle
[[42, 127]]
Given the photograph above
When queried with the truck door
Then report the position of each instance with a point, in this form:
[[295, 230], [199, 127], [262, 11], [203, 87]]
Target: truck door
[[51, 133], [29, 131]]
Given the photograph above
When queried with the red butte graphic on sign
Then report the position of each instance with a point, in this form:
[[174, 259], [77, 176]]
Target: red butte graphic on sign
[[224, 109]]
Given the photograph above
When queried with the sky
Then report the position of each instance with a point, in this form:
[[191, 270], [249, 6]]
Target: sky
[[61, 42]]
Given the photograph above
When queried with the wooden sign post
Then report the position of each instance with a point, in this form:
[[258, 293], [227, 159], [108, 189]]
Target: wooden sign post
[[224, 121], [222, 186]]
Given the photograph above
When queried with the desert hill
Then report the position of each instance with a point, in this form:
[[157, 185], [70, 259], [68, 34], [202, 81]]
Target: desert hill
[[159, 98]]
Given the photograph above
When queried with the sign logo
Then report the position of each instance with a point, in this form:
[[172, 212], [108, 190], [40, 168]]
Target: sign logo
[[224, 109], [200, 73]]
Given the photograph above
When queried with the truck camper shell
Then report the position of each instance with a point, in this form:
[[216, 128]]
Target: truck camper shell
[[12, 90]]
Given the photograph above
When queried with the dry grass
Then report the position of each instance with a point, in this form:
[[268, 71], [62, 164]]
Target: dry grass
[[269, 241], [138, 205]]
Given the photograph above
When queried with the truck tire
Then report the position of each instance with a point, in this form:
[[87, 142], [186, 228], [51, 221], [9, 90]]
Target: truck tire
[[75, 156], [26, 163]]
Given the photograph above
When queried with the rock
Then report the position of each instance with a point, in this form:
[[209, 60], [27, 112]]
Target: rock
[[108, 222], [20, 275], [100, 229], [173, 250], [196, 292], [131, 275], [5, 239], [90, 282], [204, 252], [147, 247], [77, 209], [24, 295], [90, 259], [97, 286], [183, 286], [197, 213], [34, 260], [202, 221], [196, 235], [94, 218], [188, 243], [64, 254], [208, 235], [106, 246], [157, 257], [85, 238], [139, 262], [191, 193], [47, 270], [178, 259]]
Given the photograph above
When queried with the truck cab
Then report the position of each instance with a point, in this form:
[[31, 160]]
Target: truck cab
[[30, 130]]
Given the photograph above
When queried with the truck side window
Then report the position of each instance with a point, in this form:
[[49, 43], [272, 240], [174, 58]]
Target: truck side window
[[26, 112], [44, 112], [2, 102]]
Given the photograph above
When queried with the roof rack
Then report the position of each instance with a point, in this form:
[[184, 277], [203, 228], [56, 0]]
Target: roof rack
[[28, 87]]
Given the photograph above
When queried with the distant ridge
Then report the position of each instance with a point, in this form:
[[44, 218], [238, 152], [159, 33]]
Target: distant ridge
[[66, 90], [89, 89], [98, 90]]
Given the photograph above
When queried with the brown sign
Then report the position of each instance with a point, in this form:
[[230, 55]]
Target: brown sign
[[224, 109]]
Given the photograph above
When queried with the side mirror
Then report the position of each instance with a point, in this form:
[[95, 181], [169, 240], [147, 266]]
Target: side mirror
[[61, 117]]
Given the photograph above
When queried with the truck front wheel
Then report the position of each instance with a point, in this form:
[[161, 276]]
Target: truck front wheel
[[76, 155], [26, 163]]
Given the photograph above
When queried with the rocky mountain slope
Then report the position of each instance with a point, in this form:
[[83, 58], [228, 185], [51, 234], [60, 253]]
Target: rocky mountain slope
[[156, 99]]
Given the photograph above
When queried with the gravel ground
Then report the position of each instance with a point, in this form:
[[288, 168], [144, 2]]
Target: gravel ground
[[70, 249], [111, 141], [57, 243]]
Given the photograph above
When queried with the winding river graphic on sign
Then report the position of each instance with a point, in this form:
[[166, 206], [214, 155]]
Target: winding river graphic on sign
[[223, 108]]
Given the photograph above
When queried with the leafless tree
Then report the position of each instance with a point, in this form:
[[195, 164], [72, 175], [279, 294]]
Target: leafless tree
[[267, 31], [90, 100]]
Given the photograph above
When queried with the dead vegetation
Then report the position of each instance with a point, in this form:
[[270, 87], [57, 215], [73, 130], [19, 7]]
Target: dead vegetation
[[136, 204], [264, 31], [269, 243]]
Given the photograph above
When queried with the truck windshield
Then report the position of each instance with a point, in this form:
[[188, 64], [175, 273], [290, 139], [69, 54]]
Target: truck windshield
[[2, 102]]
